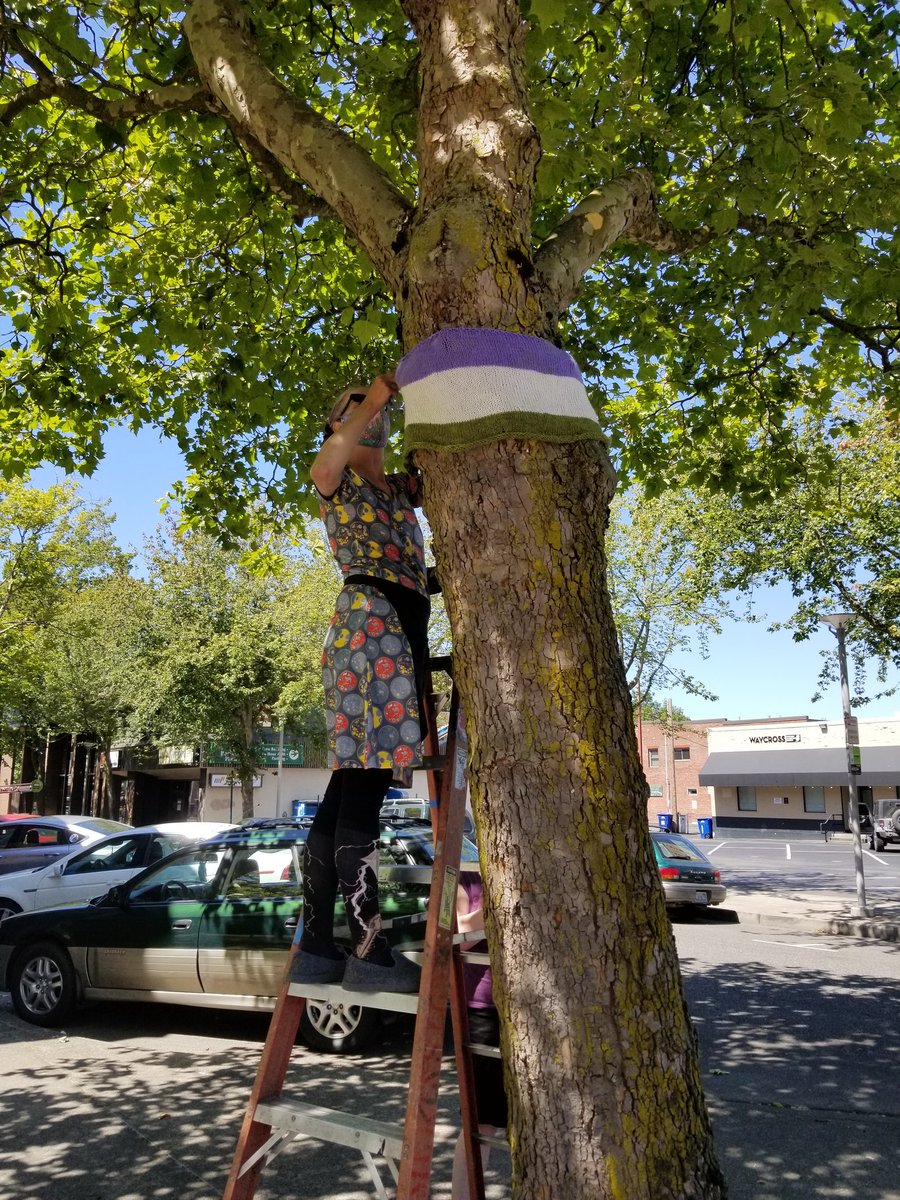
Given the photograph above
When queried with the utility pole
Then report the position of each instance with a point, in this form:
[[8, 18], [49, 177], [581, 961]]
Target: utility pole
[[838, 623]]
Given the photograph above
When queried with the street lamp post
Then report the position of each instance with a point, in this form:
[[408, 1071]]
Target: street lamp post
[[838, 623]]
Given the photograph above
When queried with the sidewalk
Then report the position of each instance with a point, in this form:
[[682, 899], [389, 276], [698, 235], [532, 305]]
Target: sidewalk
[[819, 912]]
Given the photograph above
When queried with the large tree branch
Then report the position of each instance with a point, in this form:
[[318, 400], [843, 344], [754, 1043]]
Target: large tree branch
[[302, 203], [149, 103], [886, 347], [618, 210], [626, 210], [176, 96], [300, 139]]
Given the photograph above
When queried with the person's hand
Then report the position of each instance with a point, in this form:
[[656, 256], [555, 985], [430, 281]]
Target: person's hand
[[382, 390]]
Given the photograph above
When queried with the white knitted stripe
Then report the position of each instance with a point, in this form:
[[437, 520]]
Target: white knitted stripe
[[470, 393]]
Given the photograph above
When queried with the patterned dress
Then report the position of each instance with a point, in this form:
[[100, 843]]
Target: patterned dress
[[368, 669]]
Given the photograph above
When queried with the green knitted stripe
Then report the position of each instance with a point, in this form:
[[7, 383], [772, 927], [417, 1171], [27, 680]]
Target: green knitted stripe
[[464, 435]]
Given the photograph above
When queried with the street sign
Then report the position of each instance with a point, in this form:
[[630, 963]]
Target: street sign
[[17, 789], [854, 760], [851, 731]]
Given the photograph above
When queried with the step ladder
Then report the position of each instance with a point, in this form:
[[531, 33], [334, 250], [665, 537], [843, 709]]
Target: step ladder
[[273, 1120]]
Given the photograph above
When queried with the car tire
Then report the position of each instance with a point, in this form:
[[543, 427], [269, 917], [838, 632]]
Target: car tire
[[878, 844], [8, 908], [333, 1027], [895, 821], [43, 985]]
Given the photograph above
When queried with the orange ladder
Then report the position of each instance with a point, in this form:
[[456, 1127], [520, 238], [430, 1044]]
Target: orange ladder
[[273, 1120]]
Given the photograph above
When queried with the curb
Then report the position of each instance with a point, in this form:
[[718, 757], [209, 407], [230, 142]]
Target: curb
[[883, 929]]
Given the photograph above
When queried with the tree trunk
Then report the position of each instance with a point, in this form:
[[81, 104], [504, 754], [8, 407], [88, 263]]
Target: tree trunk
[[601, 1058]]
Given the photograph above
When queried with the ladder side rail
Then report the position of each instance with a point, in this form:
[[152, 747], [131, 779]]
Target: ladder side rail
[[428, 1041], [432, 741], [465, 1075], [270, 1074]]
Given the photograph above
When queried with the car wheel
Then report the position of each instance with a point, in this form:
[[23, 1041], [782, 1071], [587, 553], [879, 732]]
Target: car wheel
[[334, 1027], [895, 820], [43, 985], [8, 908]]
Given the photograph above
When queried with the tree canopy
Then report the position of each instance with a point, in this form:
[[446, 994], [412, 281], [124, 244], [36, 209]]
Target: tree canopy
[[165, 259]]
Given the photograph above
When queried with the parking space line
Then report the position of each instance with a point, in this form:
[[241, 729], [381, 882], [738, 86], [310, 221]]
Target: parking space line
[[800, 945], [713, 849], [787, 849]]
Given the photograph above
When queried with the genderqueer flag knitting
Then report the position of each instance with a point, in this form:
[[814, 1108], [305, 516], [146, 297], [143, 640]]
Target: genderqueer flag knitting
[[466, 387]]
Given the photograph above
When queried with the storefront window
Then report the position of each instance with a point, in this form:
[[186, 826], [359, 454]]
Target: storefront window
[[814, 799], [746, 799]]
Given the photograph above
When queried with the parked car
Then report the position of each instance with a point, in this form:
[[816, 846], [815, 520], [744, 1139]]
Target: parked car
[[420, 809], [688, 877], [207, 927], [93, 871], [32, 841], [885, 823]]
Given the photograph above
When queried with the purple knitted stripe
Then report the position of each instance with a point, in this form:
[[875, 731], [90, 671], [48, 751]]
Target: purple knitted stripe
[[449, 348]]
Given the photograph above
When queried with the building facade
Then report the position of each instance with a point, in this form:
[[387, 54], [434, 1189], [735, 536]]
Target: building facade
[[793, 773]]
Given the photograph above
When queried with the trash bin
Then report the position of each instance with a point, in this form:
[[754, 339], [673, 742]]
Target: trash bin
[[665, 821], [704, 824]]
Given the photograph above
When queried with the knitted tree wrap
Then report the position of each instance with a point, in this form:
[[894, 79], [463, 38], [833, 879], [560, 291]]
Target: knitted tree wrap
[[467, 387]]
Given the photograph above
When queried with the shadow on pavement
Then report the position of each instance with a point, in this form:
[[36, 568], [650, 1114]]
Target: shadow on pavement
[[797, 1080]]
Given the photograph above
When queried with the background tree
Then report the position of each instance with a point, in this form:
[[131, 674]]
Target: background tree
[[670, 575], [53, 546], [698, 199], [90, 672], [224, 635], [835, 537]]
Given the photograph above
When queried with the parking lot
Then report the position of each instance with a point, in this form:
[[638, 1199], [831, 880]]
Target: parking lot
[[786, 864]]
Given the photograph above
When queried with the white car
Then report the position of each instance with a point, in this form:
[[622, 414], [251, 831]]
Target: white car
[[93, 871]]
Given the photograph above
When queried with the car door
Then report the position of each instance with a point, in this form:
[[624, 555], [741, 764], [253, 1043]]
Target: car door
[[246, 934], [148, 939], [92, 872]]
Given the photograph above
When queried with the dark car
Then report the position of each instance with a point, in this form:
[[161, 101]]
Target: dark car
[[27, 841], [210, 926]]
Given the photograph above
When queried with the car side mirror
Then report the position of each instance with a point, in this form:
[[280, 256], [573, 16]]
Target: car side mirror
[[57, 869], [114, 897]]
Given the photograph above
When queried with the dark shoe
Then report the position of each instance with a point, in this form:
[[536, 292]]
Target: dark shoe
[[316, 968], [403, 975]]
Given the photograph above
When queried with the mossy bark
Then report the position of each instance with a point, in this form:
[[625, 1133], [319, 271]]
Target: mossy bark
[[601, 1059]]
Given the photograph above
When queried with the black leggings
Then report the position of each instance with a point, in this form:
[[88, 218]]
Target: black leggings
[[342, 852]]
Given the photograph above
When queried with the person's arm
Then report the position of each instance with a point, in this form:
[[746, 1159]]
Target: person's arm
[[468, 919], [328, 465]]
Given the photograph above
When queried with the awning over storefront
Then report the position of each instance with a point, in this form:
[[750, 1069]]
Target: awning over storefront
[[772, 768]]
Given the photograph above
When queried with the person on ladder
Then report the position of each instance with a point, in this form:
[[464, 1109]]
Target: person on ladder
[[373, 669]]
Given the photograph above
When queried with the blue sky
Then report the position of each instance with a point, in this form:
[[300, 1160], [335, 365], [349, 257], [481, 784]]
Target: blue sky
[[754, 673]]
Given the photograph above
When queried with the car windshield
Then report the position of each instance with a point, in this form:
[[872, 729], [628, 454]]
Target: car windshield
[[100, 825]]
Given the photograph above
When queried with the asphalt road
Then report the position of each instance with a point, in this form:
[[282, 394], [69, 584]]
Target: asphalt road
[[802, 864], [800, 1078], [797, 1034]]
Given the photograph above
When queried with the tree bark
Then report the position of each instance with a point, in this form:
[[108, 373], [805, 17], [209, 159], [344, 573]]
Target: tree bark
[[601, 1057]]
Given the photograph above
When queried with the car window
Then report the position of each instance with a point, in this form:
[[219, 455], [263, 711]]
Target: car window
[[190, 875], [263, 873], [115, 855], [33, 834], [675, 848], [419, 850]]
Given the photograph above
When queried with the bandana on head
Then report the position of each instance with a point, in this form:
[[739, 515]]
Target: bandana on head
[[468, 387]]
